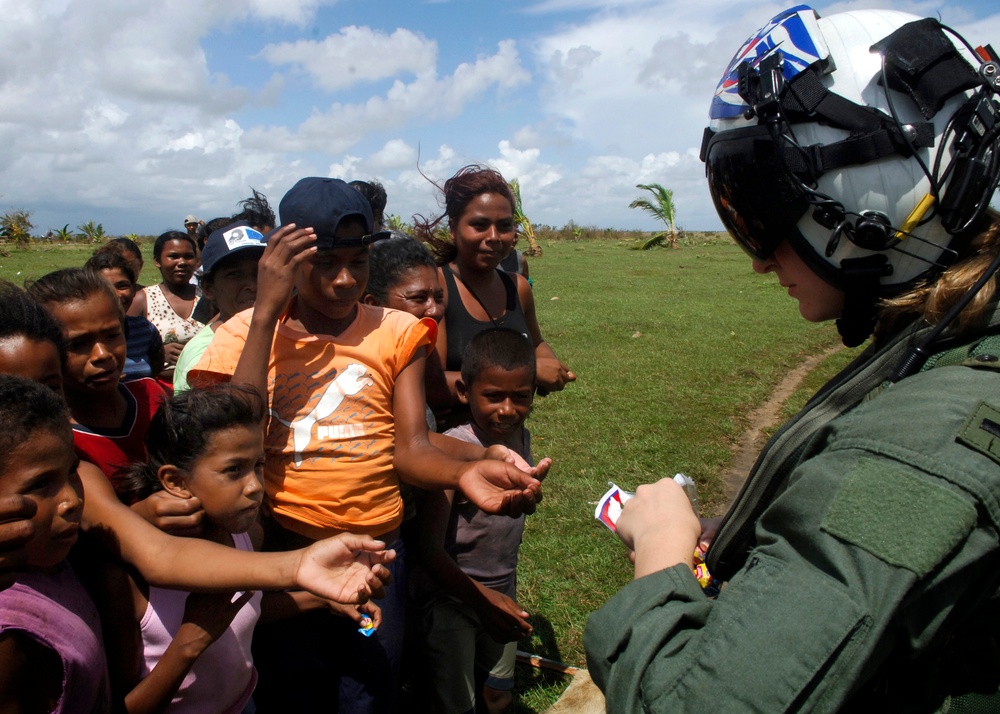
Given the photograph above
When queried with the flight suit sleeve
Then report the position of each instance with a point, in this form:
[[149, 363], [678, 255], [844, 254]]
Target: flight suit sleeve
[[858, 544]]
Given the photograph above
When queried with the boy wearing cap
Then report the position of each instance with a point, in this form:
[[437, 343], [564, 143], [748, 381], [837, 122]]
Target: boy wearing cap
[[345, 387], [191, 225], [228, 278]]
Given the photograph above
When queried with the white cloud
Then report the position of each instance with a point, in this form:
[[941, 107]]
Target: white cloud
[[348, 168], [356, 55], [425, 99], [525, 166], [139, 113], [293, 11], [396, 154]]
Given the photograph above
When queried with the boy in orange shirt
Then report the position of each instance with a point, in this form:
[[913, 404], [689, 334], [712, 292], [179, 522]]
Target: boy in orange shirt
[[344, 383]]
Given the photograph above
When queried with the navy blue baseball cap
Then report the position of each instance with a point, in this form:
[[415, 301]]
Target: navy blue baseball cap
[[321, 204], [228, 240]]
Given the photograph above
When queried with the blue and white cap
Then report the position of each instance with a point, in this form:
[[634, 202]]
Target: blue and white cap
[[231, 239]]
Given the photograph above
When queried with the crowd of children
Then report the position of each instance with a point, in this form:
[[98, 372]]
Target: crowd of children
[[154, 484]]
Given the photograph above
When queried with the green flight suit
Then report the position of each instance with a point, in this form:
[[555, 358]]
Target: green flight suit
[[862, 557]]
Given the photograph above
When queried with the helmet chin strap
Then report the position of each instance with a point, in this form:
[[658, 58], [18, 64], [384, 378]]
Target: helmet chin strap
[[857, 321]]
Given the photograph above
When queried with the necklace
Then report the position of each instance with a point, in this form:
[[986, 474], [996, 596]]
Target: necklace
[[473, 294]]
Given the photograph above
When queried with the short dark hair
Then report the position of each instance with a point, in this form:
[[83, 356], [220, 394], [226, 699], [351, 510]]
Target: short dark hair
[[180, 430], [27, 407], [497, 347], [374, 192], [110, 260], [120, 245], [71, 285], [389, 260], [256, 211], [22, 316], [162, 239]]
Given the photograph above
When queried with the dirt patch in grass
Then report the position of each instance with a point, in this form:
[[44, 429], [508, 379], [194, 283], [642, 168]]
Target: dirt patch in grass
[[764, 418]]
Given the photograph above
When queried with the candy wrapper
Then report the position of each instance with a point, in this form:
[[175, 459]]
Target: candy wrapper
[[367, 626], [610, 505], [609, 508]]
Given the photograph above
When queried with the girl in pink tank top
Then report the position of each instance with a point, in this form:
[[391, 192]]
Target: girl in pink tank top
[[208, 444]]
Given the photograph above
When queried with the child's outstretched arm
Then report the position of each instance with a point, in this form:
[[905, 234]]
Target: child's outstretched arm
[[494, 486], [346, 568], [503, 618]]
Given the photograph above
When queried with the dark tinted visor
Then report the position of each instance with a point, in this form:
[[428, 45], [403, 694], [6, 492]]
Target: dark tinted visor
[[757, 200]]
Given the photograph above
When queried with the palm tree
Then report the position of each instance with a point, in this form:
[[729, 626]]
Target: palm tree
[[396, 223], [523, 224], [64, 234], [663, 209], [93, 232]]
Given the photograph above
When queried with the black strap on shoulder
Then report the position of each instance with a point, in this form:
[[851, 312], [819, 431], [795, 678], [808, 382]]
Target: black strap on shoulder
[[509, 288], [921, 61]]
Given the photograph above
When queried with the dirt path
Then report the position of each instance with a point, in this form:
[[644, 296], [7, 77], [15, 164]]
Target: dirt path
[[764, 417]]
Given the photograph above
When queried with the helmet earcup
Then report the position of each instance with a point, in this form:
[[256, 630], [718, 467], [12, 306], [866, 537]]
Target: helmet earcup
[[872, 231]]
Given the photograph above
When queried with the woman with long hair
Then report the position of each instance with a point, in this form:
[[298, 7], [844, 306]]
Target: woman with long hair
[[854, 158], [479, 218]]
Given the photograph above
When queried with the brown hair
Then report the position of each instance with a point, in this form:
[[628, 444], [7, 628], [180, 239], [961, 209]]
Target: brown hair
[[467, 183], [72, 285], [931, 300]]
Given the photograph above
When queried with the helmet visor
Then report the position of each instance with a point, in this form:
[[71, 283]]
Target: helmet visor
[[757, 199]]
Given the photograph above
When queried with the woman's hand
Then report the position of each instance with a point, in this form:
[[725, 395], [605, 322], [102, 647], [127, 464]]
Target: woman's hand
[[709, 527], [551, 374], [659, 527], [347, 568], [171, 351]]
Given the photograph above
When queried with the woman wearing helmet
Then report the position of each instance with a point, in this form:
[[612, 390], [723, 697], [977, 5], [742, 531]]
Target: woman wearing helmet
[[854, 157]]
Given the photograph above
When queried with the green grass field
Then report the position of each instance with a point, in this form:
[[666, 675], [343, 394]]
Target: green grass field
[[672, 350]]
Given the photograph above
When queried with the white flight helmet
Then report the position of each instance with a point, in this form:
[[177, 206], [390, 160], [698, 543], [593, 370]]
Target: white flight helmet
[[873, 187]]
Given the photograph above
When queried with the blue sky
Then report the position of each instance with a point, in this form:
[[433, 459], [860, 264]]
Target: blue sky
[[136, 114]]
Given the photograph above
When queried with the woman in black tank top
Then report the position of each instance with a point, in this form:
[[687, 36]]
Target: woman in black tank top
[[479, 207]]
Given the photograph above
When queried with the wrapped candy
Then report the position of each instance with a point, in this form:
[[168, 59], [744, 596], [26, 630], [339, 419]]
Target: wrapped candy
[[367, 626], [609, 509]]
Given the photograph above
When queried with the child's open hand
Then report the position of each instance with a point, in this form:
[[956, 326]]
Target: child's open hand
[[347, 568], [500, 488], [503, 618]]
